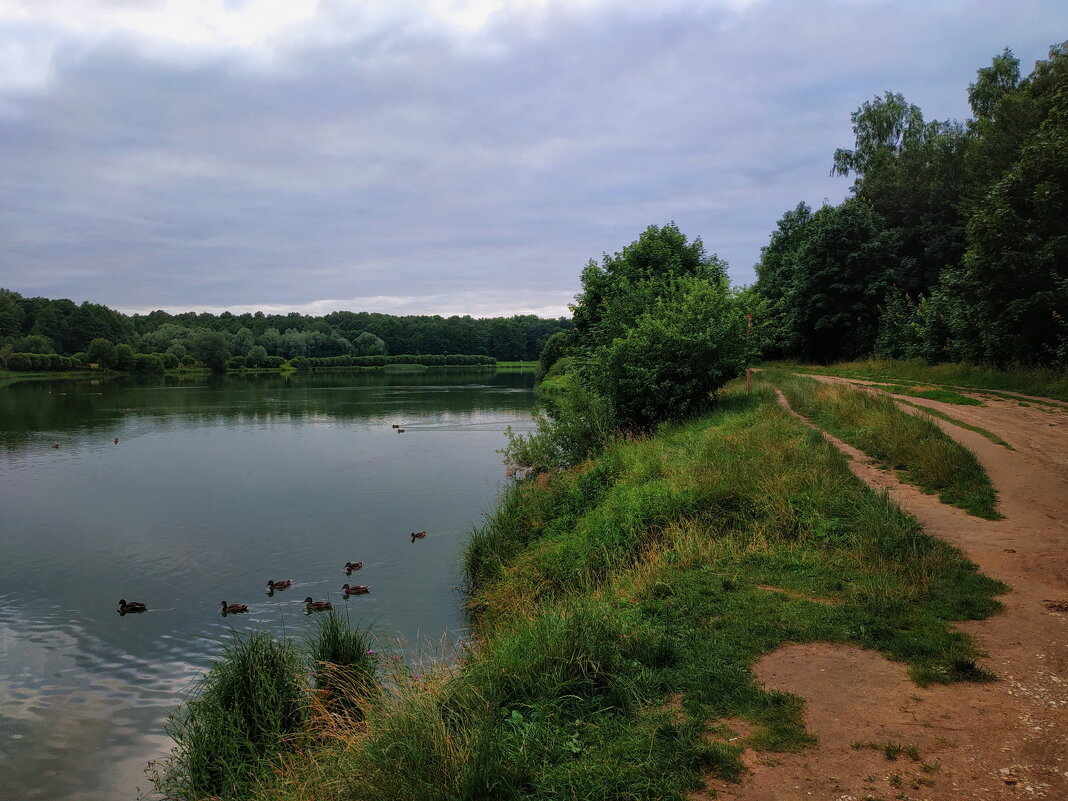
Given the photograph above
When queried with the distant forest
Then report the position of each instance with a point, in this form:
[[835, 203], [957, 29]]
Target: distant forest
[[41, 325], [953, 245]]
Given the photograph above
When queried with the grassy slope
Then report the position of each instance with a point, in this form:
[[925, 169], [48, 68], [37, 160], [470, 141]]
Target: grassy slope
[[602, 593], [1039, 382], [915, 446]]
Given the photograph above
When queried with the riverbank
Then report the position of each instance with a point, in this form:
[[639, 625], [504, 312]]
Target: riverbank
[[618, 609]]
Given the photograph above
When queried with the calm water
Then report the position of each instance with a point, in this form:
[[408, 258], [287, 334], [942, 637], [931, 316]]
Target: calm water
[[216, 486]]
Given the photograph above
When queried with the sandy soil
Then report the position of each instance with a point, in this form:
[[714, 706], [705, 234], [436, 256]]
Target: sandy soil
[[1003, 740]]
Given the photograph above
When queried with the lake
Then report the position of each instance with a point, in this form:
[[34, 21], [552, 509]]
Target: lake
[[216, 485]]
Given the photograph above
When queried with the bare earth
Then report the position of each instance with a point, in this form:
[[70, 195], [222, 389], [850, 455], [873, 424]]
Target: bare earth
[[1003, 740]]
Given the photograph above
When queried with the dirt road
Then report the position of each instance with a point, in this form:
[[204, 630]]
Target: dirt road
[[1003, 740]]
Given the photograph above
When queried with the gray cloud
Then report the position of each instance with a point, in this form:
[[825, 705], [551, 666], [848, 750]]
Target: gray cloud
[[400, 165]]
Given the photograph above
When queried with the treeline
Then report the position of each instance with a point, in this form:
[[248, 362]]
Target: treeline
[[62, 328], [953, 245]]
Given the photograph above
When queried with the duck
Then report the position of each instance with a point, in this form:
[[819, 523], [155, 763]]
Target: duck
[[396, 426], [54, 445], [400, 430], [279, 585], [232, 609], [116, 440], [131, 606], [418, 535], [358, 589], [350, 566], [317, 606]]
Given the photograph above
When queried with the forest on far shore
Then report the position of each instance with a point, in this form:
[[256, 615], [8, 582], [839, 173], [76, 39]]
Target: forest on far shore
[[62, 327]]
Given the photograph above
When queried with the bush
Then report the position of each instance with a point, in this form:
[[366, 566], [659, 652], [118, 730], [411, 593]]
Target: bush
[[675, 356], [235, 363], [188, 361], [124, 358]]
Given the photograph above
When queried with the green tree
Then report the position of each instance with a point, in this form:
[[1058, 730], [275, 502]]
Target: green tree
[[124, 357], [257, 356], [211, 348], [101, 351], [620, 289], [367, 344]]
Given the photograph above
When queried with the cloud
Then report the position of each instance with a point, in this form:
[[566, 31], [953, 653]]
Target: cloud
[[424, 156]]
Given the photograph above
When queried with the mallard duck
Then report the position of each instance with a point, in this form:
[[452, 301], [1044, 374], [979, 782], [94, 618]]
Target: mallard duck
[[54, 445], [317, 606], [358, 589], [116, 440], [396, 426], [350, 566], [418, 535], [279, 585], [232, 609], [400, 430], [132, 606]]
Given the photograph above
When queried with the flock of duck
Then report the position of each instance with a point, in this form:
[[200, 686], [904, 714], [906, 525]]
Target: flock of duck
[[311, 605]]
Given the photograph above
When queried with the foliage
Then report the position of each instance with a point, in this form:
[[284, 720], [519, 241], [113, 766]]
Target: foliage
[[970, 240], [676, 354], [210, 349], [826, 276], [101, 351], [626, 285]]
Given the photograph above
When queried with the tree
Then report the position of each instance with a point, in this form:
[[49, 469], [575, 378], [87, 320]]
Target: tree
[[211, 348], [124, 357], [101, 351], [624, 286], [367, 344], [257, 357]]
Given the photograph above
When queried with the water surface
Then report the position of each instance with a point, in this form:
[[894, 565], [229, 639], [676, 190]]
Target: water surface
[[215, 486]]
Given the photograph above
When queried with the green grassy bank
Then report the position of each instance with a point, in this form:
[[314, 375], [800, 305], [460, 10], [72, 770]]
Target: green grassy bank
[[618, 610]]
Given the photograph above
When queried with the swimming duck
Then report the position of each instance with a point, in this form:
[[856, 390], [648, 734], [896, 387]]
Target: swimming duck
[[317, 606], [116, 440], [132, 606], [358, 589], [400, 430], [54, 445], [350, 566], [396, 426], [279, 585], [232, 609], [418, 535]]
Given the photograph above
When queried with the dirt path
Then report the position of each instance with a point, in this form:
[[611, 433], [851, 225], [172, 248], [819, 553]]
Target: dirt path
[[1004, 740]]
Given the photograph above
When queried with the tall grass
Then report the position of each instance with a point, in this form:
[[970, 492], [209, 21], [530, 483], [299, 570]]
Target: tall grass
[[249, 707], [911, 444], [343, 660]]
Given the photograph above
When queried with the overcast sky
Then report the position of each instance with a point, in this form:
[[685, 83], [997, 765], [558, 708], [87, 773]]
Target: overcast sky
[[438, 156]]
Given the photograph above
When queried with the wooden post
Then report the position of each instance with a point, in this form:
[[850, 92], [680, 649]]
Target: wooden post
[[748, 370]]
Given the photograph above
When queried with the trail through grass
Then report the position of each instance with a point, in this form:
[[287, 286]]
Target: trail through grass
[[916, 447], [1030, 381]]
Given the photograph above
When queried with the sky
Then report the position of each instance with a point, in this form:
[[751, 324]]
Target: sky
[[439, 156]]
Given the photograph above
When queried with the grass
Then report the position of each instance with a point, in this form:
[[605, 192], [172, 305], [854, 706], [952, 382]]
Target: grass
[[922, 453], [1030, 381], [255, 706], [242, 713], [618, 610], [990, 435], [942, 395]]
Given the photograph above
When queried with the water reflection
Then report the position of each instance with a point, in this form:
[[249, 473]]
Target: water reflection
[[214, 488]]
